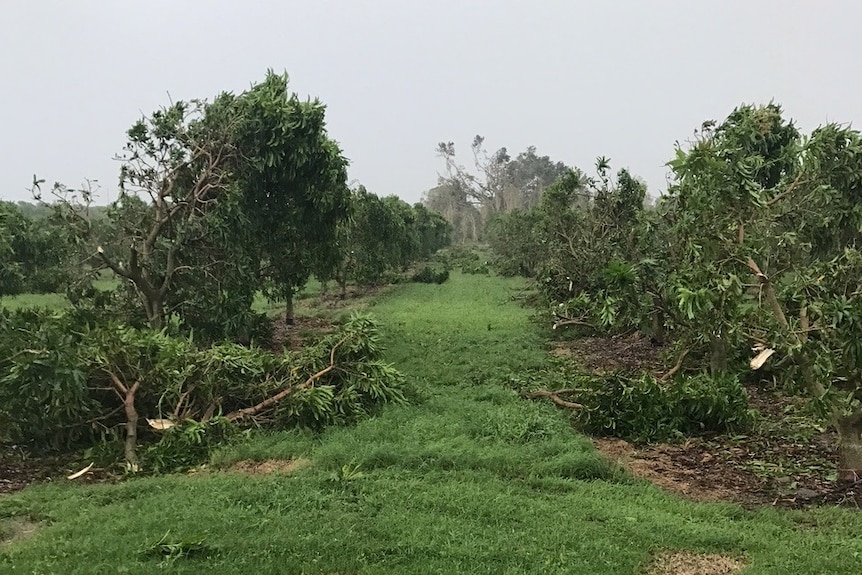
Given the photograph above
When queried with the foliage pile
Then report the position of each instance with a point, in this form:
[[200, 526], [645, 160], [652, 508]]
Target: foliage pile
[[468, 259], [69, 383], [755, 246], [430, 275], [642, 408]]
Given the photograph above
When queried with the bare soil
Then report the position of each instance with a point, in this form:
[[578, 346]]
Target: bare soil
[[295, 337], [18, 469], [633, 352], [269, 466], [681, 563], [306, 329]]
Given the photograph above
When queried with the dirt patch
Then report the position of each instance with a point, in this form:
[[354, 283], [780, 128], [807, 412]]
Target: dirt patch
[[269, 466], [633, 352], [306, 329], [785, 461], [681, 563], [15, 529], [683, 469], [18, 469], [297, 336]]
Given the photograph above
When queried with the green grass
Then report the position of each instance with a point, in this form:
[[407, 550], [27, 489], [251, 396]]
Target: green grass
[[48, 300], [59, 301], [469, 478]]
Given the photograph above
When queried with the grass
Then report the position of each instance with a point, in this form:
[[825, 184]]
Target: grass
[[59, 300], [469, 478], [48, 300]]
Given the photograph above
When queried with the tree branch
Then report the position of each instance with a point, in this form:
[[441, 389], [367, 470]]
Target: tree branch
[[677, 366], [552, 395], [269, 402]]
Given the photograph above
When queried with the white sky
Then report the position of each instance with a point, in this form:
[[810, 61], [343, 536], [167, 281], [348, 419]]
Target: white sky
[[577, 79]]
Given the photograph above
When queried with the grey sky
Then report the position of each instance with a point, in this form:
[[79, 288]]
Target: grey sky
[[624, 79]]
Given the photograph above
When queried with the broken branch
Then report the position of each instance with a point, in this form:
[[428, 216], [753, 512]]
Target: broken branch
[[563, 320], [270, 401], [552, 395], [675, 369]]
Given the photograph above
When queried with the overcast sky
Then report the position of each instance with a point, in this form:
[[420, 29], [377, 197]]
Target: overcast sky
[[576, 79]]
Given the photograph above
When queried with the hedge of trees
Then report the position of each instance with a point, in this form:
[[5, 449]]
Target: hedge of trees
[[33, 254], [219, 200], [750, 261]]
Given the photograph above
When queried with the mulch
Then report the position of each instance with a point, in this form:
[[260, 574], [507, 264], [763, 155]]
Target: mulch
[[18, 469], [775, 464]]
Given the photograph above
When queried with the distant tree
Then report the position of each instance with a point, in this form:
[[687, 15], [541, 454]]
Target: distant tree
[[382, 235], [529, 175], [34, 211], [450, 201], [432, 229], [13, 227], [497, 184], [36, 254]]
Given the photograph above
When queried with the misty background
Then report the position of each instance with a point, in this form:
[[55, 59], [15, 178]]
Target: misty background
[[623, 79]]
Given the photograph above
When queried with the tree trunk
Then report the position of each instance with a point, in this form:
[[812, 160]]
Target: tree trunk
[[657, 328], [849, 448], [717, 355], [154, 307], [131, 444], [157, 319], [289, 317]]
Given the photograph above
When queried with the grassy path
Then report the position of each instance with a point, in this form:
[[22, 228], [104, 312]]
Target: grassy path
[[469, 478]]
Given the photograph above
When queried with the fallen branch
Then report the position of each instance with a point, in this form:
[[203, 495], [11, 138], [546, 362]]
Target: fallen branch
[[563, 320], [270, 401], [552, 395], [675, 369]]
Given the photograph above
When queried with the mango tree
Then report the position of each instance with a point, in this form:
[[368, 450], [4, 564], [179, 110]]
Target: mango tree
[[294, 184], [767, 230], [175, 168]]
